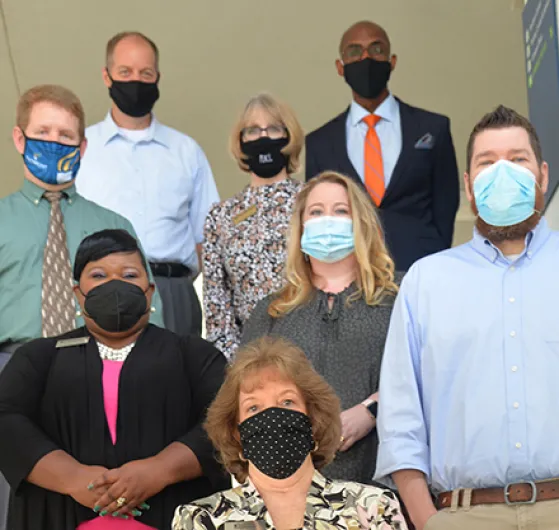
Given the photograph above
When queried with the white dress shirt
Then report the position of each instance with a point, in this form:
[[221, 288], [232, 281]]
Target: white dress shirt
[[158, 178], [389, 130]]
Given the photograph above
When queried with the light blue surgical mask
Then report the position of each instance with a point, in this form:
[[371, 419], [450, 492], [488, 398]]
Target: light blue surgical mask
[[505, 193], [51, 162], [328, 239]]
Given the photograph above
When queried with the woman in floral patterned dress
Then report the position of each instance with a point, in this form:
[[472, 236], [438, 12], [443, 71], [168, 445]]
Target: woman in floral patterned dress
[[245, 236], [276, 423]]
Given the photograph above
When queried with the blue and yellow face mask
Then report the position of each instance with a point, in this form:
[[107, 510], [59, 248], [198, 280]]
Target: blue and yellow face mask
[[51, 162]]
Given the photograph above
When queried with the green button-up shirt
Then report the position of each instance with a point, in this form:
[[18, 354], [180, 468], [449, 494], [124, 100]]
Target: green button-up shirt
[[24, 221]]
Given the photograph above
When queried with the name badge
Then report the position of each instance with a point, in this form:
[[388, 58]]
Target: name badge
[[68, 343], [249, 212]]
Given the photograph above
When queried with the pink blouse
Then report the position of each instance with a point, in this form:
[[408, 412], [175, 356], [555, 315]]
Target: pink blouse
[[111, 376]]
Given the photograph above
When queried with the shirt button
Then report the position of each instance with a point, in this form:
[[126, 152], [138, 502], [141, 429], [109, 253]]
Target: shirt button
[[529, 253], [69, 201], [512, 299], [518, 445], [36, 201], [514, 368], [516, 404], [512, 268], [513, 333]]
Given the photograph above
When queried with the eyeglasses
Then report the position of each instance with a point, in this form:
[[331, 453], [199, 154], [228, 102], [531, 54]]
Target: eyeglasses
[[274, 132], [375, 50]]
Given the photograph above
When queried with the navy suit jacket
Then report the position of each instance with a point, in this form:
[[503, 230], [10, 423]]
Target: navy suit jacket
[[420, 203]]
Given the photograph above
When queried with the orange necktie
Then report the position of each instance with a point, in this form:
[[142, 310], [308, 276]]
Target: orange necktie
[[374, 170]]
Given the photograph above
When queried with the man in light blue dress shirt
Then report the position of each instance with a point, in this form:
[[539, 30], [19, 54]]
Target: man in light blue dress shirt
[[419, 170], [156, 177], [469, 380]]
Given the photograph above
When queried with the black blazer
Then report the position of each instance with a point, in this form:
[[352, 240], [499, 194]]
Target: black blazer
[[52, 398], [420, 203]]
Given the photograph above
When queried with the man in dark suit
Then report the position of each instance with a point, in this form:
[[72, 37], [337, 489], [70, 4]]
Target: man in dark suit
[[402, 155]]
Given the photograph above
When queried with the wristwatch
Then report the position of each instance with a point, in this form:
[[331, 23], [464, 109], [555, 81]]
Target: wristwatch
[[372, 406]]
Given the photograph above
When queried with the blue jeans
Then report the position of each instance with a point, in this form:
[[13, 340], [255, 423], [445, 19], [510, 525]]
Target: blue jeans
[[4, 486]]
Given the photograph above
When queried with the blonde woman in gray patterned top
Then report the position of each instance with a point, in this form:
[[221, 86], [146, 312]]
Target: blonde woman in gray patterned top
[[336, 307], [245, 248], [276, 423]]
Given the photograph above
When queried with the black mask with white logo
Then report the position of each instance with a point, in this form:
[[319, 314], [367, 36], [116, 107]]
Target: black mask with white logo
[[115, 305], [134, 98], [277, 441], [264, 157], [368, 77]]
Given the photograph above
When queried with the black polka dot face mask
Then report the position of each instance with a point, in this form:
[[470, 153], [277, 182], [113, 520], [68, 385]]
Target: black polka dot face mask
[[277, 441]]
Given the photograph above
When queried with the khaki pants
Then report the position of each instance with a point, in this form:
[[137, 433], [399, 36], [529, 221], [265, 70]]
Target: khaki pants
[[543, 515]]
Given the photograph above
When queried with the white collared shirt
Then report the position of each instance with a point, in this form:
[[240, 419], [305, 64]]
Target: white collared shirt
[[389, 130], [159, 179]]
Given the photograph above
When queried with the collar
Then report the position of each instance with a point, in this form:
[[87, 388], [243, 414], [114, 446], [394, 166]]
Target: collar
[[156, 133], [535, 239], [387, 110], [34, 193]]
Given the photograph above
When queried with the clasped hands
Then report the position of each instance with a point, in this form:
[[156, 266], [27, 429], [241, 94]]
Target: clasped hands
[[119, 492]]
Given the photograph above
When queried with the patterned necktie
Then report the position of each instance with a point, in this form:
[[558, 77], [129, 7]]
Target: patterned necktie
[[58, 305], [374, 170]]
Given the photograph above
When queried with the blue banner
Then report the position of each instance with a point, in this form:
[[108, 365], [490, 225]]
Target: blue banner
[[542, 74]]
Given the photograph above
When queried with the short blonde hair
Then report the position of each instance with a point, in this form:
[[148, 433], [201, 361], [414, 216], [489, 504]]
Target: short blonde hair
[[280, 112], [55, 94], [375, 268], [323, 406]]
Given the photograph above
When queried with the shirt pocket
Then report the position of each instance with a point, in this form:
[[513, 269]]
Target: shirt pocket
[[551, 340], [170, 184]]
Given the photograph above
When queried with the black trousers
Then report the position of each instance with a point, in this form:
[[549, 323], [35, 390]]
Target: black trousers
[[4, 486], [182, 312]]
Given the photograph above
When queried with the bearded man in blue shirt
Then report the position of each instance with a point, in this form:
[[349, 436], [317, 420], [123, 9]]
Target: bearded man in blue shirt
[[472, 356]]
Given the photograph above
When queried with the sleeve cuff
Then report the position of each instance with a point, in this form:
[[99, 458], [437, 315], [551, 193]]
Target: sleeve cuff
[[397, 455]]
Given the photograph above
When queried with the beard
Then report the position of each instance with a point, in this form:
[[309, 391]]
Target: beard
[[498, 234], [518, 231]]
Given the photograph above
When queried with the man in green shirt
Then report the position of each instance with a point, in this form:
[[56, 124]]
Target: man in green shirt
[[49, 119]]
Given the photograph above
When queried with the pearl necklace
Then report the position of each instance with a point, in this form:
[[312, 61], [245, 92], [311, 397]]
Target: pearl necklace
[[111, 354]]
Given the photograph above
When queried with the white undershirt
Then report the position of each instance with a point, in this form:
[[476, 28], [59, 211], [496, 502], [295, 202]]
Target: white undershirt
[[133, 135]]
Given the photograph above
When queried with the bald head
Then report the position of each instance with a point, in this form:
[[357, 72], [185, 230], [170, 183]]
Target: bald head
[[364, 31], [130, 40]]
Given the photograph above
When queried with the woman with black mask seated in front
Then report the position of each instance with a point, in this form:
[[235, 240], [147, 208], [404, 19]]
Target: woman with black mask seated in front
[[102, 427]]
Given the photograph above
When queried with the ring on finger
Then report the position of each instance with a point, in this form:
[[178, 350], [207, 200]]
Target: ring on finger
[[121, 501]]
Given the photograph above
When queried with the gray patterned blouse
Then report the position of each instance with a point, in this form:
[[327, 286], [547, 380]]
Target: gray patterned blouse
[[244, 253], [345, 346]]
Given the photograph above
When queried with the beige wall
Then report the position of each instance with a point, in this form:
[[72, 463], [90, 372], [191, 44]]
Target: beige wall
[[457, 57]]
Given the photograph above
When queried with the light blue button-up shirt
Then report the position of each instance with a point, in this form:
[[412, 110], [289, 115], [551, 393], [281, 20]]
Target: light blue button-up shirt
[[469, 386], [160, 181], [389, 131]]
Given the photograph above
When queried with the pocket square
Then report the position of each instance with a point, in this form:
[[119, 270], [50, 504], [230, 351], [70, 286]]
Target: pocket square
[[427, 141]]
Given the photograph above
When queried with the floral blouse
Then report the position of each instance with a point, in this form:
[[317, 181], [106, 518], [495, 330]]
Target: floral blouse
[[331, 505], [244, 256]]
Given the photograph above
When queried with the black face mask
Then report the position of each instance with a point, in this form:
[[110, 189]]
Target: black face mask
[[277, 441], [367, 77], [116, 305], [264, 157], [134, 98]]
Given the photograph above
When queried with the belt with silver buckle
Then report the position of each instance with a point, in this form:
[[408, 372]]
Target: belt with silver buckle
[[513, 494]]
